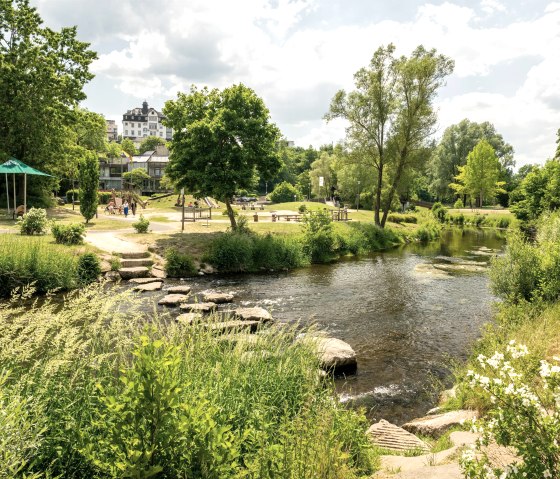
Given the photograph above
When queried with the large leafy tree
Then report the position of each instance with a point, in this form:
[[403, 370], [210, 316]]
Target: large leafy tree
[[150, 143], [391, 115], [42, 75], [452, 151], [479, 177], [127, 145], [223, 141]]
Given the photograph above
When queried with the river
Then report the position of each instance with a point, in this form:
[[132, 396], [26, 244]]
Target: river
[[406, 321]]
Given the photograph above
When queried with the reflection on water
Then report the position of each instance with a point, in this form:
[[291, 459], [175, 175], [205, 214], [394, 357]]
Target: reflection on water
[[404, 325]]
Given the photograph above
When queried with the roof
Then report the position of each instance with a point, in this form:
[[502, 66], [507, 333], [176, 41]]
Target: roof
[[159, 159], [19, 167]]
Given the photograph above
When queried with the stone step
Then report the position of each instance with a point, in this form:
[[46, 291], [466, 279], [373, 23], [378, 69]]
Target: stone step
[[173, 299], [130, 263], [182, 289], [146, 280], [438, 424], [135, 272], [389, 436], [233, 326], [218, 298], [155, 286], [252, 314], [134, 255], [198, 307]]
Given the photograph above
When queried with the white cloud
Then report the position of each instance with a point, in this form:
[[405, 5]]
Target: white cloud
[[492, 6]]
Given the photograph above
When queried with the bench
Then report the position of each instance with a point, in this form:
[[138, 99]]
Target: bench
[[276, 217]]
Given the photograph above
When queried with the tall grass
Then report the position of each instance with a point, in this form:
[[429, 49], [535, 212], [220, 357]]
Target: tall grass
[[27, 260], [115, 398]]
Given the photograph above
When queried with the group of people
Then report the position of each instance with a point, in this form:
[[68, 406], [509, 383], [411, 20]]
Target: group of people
[[125, 208]]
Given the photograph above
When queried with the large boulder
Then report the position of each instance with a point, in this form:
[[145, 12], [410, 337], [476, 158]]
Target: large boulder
[[253, 314], [198, 307], [438, 424], [154, 286], [336, 355], [388, 436], [218, 298], [173, 299], [135, 272], [181, 289]]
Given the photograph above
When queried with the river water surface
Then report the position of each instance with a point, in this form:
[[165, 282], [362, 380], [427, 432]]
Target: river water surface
[[406, 321]]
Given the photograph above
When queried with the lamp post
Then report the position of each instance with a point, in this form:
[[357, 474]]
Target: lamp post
[[295, 198], [265, 188], [358, 199]]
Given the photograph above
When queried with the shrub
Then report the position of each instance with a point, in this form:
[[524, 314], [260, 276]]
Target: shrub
[[231, 252], [142, 225], [458, 220], [302, 209], [377, 238], [428, 232], [440, 212], [72, 195], [104, 197], [351, 240], [319, 236], [34, 222], [278, 252], [68, 234], [115, 263], [179, 265], [88, 268], [401, 218], [458, 204], [235, 212], [285, 192]]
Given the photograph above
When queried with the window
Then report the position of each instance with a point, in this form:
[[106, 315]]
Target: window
[[153, 126], [132, 132], [126, 132], [125, 123]]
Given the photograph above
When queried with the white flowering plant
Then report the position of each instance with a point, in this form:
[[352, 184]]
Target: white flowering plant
[[525, 415]]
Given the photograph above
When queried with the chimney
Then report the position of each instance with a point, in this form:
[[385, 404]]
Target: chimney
[[145, 107]]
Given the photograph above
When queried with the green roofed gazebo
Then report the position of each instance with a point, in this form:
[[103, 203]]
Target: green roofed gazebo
[[16, 167]]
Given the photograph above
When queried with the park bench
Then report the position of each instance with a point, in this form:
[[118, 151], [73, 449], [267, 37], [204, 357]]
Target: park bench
[[288, 217]]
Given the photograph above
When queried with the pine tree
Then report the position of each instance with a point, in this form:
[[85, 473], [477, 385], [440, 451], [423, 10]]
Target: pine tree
[[89, 184]]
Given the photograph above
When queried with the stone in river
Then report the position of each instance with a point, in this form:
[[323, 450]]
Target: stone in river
[[201, 307], [437, 425], [182, 289], [173, 299], [336, 355], [253, 314], [145, 280], [217, 298], [136, 272], [154, 286]]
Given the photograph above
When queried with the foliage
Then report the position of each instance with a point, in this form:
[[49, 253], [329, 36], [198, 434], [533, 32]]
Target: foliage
[[72, 195], [104, 197], [88, 268], [302, 209], [178, 265], [456, 143], [522, 406], [34, 222], [68, 234], [42, 76], [142, 225], [115, 263], [324, 167], [89, 185], [135, 179], [285, 192], [458, 220], [150, 143], [479, 177], [428, 231], [223, 140], [439, 212], [113, 395], [458, 204], [391, 116], [402, 218], [127, 145], [34, 262], [319, 236]]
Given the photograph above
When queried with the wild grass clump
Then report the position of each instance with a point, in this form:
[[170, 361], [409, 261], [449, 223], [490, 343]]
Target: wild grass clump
[[100, 394], [428, 231], [71, 234], [179, 265], [402, 218], [376, 238], [35, 261]]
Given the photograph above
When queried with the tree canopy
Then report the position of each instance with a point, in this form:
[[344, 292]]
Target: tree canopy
[[150, 143], [127, 145], [391, 115], [223, 141]]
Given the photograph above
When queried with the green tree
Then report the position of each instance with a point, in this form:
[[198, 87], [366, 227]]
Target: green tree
[[557, 153], [89, 185], [135, 178], [285, 192], [114, 150], [223, 140], [479, 177], [323, 167], [150, 143], [42, 75], [89, 130], [455, 144], [391, 115], [127, 145]]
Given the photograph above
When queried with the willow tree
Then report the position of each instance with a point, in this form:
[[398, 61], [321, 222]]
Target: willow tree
[[391, 115], [222, 142]]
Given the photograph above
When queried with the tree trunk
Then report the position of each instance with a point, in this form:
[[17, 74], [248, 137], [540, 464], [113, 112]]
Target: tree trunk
[[396, 181], [377, 203], [231, 214]]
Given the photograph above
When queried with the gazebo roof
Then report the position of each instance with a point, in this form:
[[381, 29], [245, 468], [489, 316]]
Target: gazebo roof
[[18, 167]]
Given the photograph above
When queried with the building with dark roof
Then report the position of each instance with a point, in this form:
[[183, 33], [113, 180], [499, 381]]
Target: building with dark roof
[[140, 123]]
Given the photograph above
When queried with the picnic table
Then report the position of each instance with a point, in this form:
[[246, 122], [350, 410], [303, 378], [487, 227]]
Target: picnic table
[[288, 217]]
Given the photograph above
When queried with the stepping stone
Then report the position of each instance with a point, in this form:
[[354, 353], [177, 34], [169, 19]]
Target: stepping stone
[[145, 280], [230, 326], [336, 355], [436, 425], [148, 286], [201, 307], [136, 272], [179, 289], [173, 299], [112, 276], [253, 314], [130, 263], [218, 298], [158, 272], [134, 255], [389, 436], [188, 318]]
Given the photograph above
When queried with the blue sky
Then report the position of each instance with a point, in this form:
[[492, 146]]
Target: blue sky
[[297, 53]]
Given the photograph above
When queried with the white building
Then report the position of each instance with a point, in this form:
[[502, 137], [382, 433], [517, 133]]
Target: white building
[[140, 123]]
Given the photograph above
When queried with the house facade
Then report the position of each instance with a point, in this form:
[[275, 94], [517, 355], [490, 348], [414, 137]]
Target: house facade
[[140, 123], [112, 130]]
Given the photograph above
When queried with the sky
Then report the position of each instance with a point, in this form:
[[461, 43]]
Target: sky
[[296, 54]]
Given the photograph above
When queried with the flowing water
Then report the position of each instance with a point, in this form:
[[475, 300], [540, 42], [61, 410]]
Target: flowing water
[[406, 320]]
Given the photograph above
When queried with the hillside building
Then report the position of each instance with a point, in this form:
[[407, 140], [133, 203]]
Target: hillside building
[[140, 123]]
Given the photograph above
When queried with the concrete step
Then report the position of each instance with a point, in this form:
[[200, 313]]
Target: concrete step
[[131, 263], [134, 255], [136, 272]]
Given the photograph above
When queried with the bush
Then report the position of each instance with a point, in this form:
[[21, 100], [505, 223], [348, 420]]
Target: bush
[[231, 252], [235, 212], [179, 265], [72, 195], [68, 234], [458, 220], [104, 197], [88, 268], [401, 218], [376, 238], [285, 192], [272, 252], [142, 225], [319, 236], [458, 204], [440, 212], [302, 209], [428, 232], [34, 222]]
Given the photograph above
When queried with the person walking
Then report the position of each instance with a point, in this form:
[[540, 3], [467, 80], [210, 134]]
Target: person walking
[[133, 207], [125, 208]]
